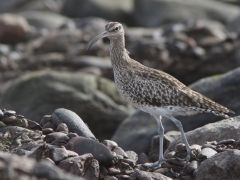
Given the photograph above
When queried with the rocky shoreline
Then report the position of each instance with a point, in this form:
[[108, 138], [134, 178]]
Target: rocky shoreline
[[63, 143]]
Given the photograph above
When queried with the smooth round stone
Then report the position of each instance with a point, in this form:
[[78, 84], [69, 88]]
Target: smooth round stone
[[82, 145], [53, 136], [45, 119], [62, 140], [1, 115], [143, 158], [132, 156], [62, 127], [9, 112], [170, 155], [47, 131], [180, 147], [74, 123], [48, 125], [9, 119]]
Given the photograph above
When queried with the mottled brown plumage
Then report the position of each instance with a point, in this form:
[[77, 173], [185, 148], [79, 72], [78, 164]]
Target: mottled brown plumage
[[152, 90]]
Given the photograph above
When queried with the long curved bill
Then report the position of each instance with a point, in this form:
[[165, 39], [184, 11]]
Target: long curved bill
[[100, 36]]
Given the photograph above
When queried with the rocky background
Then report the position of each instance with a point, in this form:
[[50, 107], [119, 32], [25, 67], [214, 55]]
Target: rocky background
[[60, 110]]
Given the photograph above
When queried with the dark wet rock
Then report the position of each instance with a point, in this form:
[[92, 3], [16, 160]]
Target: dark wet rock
[[114, 171], [58, 154], [146, 12], [9, 119], [53, 136], [224, 129], [47, 131], [110, 144], [14, 28], [76, 165], [83, 145], [74, 123], [85, 93], [62, 127], [92, 172], [221, 166], [142, 175]]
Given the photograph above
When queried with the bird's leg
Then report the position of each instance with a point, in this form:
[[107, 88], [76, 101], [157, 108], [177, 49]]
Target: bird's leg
[[189, 150], [158, 164]]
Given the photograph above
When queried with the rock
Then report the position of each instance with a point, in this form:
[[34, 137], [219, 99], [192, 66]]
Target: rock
[[120, 11], [110, 144], [206, 153], [94, 99], [155, 13], [53, 136], [83, 145], [13, 29], [192, 166], [27, 168], [47, 131], [58, 154], [224, 129], [46, 170], [218, 88], [142, 175], [62, 127], [222, 166], [44, 19], [76, 165], [92, 171], [73, 122]]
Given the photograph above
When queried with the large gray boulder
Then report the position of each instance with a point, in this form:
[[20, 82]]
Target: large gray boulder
[[95, 100], [152, 13], [140, 127]]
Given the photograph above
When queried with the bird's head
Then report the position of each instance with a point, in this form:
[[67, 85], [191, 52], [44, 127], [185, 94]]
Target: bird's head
[[113, 30]]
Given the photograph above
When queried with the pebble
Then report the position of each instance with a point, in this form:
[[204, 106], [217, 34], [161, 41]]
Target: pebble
[[227, 141], [1, 115], [82, 145], [132, 156], [74, 123], [113, 171], [110, 144], [52, 136], [48, 125], [58, 154], [62, 140], [47, 131], [9, 119], [45, 119], [192, 167], [143, 158], [206, 153], [209, 146], [9, 112], [180, 147], [62, 127], [120, 151], [110, 178], [76, 165]]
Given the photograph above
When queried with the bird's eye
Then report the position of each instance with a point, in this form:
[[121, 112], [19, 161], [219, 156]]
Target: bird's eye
[[116, 29]]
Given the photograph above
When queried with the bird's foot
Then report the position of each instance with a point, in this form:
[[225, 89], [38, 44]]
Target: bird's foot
[[189, 155], [155, 165]]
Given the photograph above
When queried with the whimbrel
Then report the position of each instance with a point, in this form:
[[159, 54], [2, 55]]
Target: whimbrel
[[154, 91]]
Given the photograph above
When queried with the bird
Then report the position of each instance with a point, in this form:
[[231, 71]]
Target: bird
[[154, 91]]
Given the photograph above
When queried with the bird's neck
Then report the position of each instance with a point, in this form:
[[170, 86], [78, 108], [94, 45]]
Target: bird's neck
[[118, 54]]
